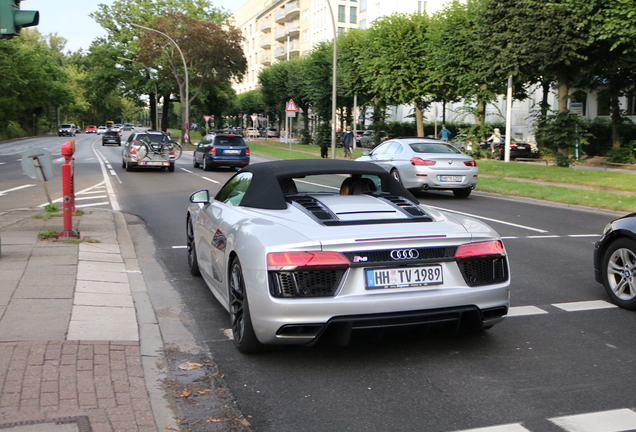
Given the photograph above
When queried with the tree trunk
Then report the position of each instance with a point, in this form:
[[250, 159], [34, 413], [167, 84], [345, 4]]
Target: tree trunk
[[166, 110], [153, 110], [563, 86], [544, 105], [419, 118], [617, 119]]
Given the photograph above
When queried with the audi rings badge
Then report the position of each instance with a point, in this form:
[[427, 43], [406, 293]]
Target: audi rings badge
[[405, 254]]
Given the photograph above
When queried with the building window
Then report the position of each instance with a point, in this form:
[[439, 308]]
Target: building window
[[363, 24], [340, 30], [341, 13], [603, 103], [363, 5], [631, 105], [353, 15], [305, 35]]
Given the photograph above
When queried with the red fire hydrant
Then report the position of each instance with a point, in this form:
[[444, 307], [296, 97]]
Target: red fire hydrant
[[68, 189]]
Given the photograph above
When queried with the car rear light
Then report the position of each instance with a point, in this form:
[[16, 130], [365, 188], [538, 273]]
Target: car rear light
[[471, 163], [247, 152], [419, 161], [212, 151], [481, 249], [287, 261]]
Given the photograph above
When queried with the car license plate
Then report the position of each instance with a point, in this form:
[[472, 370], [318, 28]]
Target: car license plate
[[232, 151], [404, 277], [154, 163], [451, 178]]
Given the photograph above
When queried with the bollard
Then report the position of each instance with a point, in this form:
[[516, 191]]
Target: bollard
[[68, 190]]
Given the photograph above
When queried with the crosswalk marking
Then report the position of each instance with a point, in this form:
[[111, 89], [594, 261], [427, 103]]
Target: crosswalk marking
[[619, 420], [513, 427], [604, 421], [584, 305], [525, 310]]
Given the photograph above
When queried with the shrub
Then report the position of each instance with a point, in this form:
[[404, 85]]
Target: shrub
[[305, 137], [14, 130], [624, 155]]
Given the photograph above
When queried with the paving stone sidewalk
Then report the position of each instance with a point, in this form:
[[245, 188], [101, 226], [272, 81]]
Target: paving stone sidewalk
[[71, 356]]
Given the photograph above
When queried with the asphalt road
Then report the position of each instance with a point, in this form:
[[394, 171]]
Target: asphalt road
[[562, 352]]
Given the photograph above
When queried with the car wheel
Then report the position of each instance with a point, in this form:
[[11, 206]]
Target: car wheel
[[619, 266], [128, 167], [123, 163], [193, 263], [462, 193], [206, 166], [195, 164], [242, 329], [396, 175], [171, 167]]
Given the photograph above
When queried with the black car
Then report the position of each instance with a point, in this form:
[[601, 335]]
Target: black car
[[221, 150], [111, 137], [518, 148], [615, 261]]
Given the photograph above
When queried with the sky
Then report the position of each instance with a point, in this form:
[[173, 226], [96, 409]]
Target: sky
[[69, 18]]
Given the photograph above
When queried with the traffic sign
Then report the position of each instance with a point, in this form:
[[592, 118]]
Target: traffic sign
[[254, 118], [291, 106], [207, 118]]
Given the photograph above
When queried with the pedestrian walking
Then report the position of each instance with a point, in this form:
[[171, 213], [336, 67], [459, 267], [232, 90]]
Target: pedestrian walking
[[347, 142], [324, 148], [444, 134]]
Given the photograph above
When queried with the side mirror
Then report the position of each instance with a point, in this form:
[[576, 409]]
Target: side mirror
[[196, 143], [366, 153], [200, 197]]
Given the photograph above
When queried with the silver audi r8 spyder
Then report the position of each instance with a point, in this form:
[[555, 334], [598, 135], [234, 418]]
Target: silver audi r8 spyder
[[301, 250]]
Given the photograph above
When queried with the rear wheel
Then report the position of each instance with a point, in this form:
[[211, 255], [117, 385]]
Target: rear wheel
[[618, 267], [193, 263], [128, 167], [242, 329], [396, 175], [171, 167], [194, 161], [462, 193], [206, 166]]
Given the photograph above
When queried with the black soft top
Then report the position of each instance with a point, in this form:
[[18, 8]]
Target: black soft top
[[265, 191]]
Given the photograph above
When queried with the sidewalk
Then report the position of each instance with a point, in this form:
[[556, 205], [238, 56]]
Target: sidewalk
[[71, 314]]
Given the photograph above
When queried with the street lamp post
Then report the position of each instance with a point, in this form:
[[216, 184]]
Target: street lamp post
[[333, 84], [186, 122]]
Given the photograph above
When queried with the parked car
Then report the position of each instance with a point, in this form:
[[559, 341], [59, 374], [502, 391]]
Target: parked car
[[67, 129], [148, 149], [271, 132], [615, 261], [221, 150], [367, 139], [420, 163], [252, 132], [101, 129], [111, 137], [295, 260], [518, 148], [91, 129]]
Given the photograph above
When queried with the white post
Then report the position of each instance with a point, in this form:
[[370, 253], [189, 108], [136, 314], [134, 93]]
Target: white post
[[508, 120], [333, 84], [355, 121]]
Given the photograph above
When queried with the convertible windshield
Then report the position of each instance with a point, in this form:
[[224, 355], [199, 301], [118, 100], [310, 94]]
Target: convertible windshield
[[337, 184]]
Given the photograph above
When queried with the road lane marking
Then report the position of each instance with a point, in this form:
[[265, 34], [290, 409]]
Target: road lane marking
[[109, 186], [490, 219], [199, 175], [513, 427], [584, 235], [603, 421], [544, 236], [584, 305], [525, 311], [4, 192]]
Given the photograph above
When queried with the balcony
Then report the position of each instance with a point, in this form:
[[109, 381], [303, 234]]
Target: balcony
[[280, 34], [293, 28], [266, 59], [266, 41], [292, 9], [279, 16], [281, 51], [266, 25]]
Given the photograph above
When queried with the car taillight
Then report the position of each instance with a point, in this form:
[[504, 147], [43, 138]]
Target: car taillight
[[132, 150], [420, 161], [288, 261], [247, 152], [212, 151], [481, 249], [471, 163]]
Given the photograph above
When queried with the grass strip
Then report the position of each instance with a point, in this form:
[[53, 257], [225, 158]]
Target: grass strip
[[590, 198]]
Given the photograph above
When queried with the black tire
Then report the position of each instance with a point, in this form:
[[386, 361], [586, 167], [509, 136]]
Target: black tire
[[242, 329], [462, 193], [171, 167], [206, 167], [195, 164], [618, 268], [193, 263], [128, 167], [396, 175], [123, 163]]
